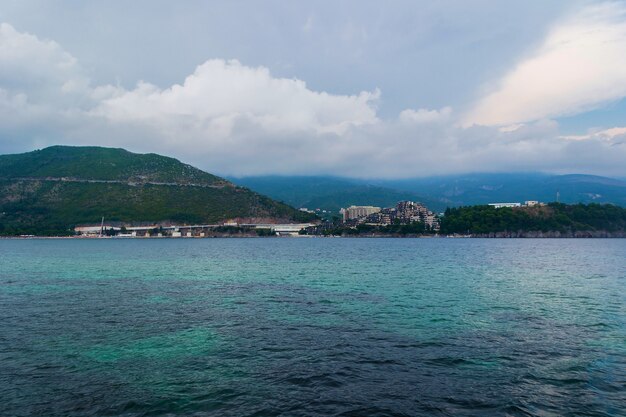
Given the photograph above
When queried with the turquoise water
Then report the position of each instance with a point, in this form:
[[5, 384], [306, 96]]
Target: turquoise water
[[268, 327]]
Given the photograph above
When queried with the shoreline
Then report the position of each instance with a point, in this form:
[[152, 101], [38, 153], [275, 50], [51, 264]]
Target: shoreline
[[620, 236]]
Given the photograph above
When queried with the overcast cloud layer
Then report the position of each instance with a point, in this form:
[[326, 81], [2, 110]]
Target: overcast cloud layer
[[233, 117]]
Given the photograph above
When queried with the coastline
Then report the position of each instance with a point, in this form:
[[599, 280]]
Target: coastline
[[547, 235]]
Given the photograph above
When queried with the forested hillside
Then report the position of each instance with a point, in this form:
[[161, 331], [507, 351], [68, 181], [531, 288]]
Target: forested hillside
[[48, 192], [554, 217]]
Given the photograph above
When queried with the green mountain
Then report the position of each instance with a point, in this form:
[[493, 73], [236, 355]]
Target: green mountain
[[49, 191], [331, 193], [98, 163]]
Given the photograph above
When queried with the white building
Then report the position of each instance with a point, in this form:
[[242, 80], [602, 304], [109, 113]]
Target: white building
[[500, 205], [354, 212]]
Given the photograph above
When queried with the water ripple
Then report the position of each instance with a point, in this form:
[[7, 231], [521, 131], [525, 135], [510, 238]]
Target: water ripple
[[361, 328]]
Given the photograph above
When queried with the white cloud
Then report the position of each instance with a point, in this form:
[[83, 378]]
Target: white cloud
[[219, 93], [39, 67], [425, 115], [229, 118], [608, 135], [511, 128], [580, 66]]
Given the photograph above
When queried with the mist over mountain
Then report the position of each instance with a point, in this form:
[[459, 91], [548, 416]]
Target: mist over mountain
[[331, 193], [327, 193]]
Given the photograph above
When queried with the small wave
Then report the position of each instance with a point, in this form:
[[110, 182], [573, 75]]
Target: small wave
[[449, 362], [379, 362], [321, 380]]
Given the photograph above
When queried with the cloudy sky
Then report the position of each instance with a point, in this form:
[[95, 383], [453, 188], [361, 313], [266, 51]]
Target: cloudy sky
[[356, 88]]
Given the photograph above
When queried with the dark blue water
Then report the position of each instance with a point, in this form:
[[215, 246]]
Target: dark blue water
[[316, 327]]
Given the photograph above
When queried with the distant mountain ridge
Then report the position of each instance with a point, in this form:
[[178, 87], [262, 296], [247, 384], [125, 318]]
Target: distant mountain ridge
[[327, 193], [476, 189], [440, 192], [50, 191]]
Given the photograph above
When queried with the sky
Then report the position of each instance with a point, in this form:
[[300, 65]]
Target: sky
[[355, 88]]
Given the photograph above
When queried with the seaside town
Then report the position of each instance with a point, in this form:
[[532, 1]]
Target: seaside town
[[403, 214]]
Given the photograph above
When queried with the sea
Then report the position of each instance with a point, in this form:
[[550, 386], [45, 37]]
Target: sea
[[313, 327]]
